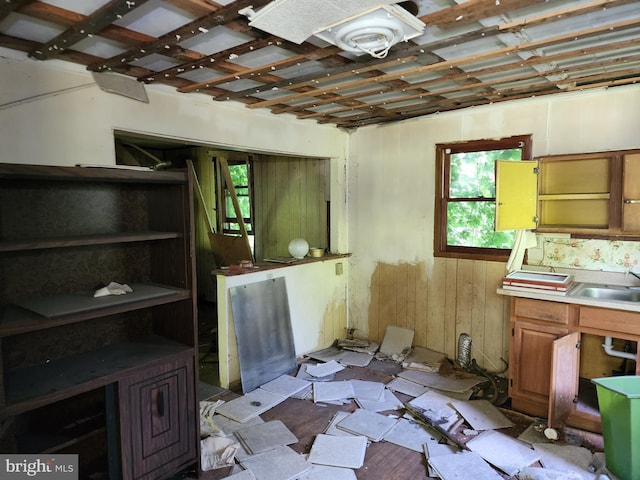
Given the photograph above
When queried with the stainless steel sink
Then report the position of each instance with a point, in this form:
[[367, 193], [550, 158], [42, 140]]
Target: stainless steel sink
[[607, 292]]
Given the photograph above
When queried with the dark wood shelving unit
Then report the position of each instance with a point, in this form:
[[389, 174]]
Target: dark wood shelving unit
[[64, 233]]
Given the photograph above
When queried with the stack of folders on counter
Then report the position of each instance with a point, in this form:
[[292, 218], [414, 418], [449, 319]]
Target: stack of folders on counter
[[541, 282]]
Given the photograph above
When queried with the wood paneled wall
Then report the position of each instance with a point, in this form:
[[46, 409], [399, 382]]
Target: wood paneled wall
[[455, 297], [291, 201]]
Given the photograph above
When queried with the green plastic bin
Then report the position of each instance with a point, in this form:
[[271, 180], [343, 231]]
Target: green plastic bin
[[619, 404]]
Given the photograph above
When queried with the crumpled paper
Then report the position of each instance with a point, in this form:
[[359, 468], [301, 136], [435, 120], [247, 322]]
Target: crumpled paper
[[216, 452], [113, 289]]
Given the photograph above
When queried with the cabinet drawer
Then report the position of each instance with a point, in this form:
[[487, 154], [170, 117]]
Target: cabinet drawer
[[610, 320], [542, 310]]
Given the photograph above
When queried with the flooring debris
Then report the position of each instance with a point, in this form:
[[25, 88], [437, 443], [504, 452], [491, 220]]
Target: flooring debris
[[503, 452], [442, 383], [481, 414], [463, 466], [336, 410], [250, 405], [355, 359], [341, 392], [347, 452], [436, 408], [388, 402], [281, 463], [332, 429], [243, 475], [285, 385], [424, 359], [372, 425], [408, 434], [325, 472], [265, 436], [324, 369], [402, 385], [397, 341], [567, 458]]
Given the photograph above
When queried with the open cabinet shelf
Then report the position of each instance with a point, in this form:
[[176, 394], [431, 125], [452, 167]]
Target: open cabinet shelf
[[64, 233]]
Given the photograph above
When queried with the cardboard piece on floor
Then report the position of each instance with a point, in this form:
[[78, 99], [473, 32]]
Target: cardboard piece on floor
[[333, 430], [482, 415], [265, 436], [250, 405], [345, 452], [324, 369], [436, 407], [370, 424], [285, 385], [463, 465], [323, 472], [396, 340], [568, 458], [408, 434], [332, 391], [355, 359], [388, 402], [281, 463], [402, 385], [502, 451]]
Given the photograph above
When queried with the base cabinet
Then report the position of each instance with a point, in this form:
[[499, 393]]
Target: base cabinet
[[157, 420], [546, 343]]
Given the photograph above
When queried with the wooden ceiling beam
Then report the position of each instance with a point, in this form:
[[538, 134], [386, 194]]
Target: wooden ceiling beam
[[470, 59], [8, 6], [185, 32], [91, 25]]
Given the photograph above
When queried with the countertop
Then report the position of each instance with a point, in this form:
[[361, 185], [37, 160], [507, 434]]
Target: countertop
[[568, 298], [581, 277]]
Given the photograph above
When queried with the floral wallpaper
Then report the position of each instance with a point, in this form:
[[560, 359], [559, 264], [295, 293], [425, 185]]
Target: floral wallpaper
[[603, 255]]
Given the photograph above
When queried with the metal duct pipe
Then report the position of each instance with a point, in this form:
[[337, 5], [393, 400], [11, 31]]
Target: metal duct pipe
[[608, 348]]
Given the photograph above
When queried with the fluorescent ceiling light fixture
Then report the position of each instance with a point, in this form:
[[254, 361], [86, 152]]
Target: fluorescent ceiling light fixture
[[374, 31]]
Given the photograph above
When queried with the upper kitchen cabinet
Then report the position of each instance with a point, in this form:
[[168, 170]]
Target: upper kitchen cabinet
[[583, 194]]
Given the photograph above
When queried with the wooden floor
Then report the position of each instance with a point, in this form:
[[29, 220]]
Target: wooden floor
[[383, 460]]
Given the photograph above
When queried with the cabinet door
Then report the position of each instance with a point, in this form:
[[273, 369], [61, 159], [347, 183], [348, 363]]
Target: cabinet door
[[565, 361], [530, 366], [516, 194], [631, 193], [158, 420]]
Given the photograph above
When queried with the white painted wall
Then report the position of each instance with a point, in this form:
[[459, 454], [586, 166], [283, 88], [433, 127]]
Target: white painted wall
[[317, 295], [391, 169]]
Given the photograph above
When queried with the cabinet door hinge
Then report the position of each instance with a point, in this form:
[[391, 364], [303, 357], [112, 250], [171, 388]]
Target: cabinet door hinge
[[513, 332], [511, 382], [575, 399], [578, 346], [534, 220], [536, 170]]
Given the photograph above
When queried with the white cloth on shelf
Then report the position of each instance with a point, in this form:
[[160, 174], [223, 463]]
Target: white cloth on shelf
[[113, 289]]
